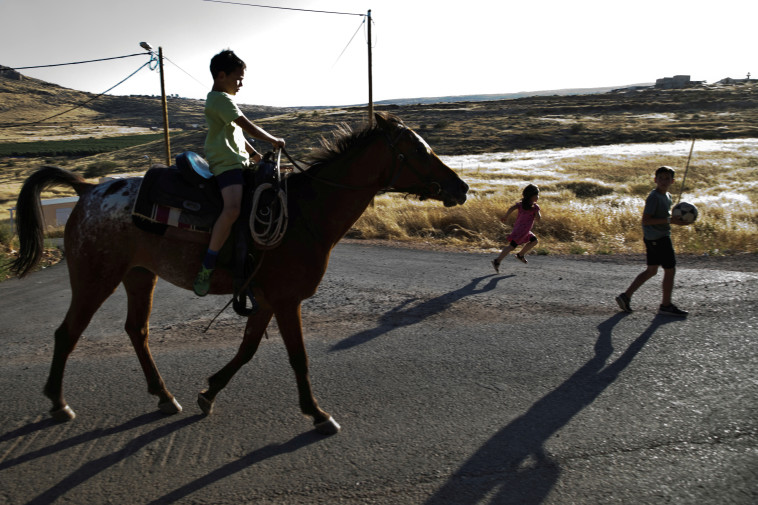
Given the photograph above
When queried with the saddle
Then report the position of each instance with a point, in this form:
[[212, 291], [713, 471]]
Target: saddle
[[186, 196]]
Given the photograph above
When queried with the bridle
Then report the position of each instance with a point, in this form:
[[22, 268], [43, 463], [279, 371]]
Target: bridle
[[398, 163]]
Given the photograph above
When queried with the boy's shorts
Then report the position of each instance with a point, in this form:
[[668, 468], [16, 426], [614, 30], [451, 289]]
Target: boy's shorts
[[229, 178], [660, 252]]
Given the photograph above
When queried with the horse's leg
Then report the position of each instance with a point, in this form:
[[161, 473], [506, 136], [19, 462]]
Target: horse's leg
[[140, 284], [86, 298], [290, 326], [254, 330]]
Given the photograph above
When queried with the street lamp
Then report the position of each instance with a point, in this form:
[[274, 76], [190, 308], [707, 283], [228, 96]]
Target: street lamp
[[147, 47]]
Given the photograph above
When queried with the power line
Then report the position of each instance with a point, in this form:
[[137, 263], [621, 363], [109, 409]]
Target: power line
[[78, 62], [283, 8], [348, 43], [80, 104], [190, 75]]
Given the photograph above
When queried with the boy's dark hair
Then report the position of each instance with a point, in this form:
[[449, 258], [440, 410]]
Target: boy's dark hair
[[528, 193], [665, 169], [226, 61]]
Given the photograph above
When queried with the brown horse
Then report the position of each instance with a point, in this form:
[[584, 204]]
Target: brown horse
[[104, 248]]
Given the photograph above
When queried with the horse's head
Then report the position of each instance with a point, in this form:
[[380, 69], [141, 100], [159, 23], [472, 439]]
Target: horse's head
[[415, 167]]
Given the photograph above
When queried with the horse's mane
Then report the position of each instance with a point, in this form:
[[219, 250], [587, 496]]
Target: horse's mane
[[344, 139]]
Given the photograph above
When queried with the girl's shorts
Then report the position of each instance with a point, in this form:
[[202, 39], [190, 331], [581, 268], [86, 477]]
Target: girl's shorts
[[532, 238]]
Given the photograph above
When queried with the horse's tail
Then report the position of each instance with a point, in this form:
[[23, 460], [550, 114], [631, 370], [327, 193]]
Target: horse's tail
[[29, 219]]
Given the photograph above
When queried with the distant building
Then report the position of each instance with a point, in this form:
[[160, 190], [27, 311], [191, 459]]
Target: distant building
[[57, 210], [729, 80], [676, 82]]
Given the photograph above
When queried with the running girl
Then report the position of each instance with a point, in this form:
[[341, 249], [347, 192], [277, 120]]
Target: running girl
[[528, 211]]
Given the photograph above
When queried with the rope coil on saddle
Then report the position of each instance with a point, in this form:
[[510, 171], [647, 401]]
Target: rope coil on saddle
[[269, 217]]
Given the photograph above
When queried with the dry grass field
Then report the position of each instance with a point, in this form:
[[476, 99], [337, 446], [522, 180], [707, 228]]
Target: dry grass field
[[592, 156]]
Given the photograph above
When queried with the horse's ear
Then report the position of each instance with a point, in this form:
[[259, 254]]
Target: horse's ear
[[383, 122]]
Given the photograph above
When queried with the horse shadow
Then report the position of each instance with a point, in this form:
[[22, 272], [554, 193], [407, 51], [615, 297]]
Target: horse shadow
[[94, 467], [513, 466], [407, 314], [254, 457], [83, 438]]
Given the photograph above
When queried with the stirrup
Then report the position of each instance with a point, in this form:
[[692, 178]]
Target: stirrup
[[239, 303]]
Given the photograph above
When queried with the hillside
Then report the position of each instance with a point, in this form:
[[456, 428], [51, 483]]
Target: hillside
[[29, 100], [473, 127], [532, 122]]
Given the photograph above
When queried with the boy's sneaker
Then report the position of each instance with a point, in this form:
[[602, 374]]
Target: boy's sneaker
[[496, 265], [203, 281], [623, 302], [672, 310]]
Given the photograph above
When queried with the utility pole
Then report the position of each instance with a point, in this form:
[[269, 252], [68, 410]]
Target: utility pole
[[370, 76], [147, 47], [165, 108]]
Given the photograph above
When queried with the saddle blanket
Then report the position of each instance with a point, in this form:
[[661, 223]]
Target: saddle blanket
[[171, 216], [165, 197]]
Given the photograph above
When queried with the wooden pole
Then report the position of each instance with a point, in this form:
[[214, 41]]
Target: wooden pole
[[686, 168], [165, 108], [370, 76]]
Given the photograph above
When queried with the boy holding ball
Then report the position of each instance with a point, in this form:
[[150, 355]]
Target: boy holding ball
[[656, 227]]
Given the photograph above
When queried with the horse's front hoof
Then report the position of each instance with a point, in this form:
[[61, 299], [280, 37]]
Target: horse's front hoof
[[170, 407], [328, 427], [63, 414], [205, 404]]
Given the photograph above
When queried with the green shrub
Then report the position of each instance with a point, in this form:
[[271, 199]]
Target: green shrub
[[586, 189], [75, 147], [99, 169]]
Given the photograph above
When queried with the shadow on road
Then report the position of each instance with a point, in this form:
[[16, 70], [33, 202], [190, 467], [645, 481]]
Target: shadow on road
[[406, 314], [244, 462], [92, 468], [513, 466], [84, 438]]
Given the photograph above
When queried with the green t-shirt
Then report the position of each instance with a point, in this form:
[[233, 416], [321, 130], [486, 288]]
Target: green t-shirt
[[657, 205], [225, 142]]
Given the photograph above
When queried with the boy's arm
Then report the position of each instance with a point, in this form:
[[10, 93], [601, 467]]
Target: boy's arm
[[254, 155], [648, 219], [257, 132]]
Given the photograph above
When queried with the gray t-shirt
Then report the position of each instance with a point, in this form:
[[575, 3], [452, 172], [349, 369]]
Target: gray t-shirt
[[657, 205]]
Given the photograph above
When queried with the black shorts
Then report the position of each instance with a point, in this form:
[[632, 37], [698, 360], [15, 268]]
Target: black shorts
[[531, 239], [230, 178], [660, 252]]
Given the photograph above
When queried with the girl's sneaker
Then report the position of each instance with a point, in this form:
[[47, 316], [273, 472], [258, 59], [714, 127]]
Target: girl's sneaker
[[521, 258], [496, 265]]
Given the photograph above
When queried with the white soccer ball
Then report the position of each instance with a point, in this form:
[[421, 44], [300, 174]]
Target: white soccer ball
[[685, 211]]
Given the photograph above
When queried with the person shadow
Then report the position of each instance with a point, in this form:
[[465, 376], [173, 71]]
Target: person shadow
[[513, 466], [408, 313]]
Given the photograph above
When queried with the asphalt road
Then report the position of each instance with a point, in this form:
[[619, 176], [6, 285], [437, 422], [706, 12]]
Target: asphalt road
[[453, 385]]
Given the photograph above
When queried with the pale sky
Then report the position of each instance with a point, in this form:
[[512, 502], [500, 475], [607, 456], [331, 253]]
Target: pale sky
[[420, 48]]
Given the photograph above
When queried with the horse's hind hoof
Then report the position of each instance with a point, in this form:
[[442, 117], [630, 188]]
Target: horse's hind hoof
[[170, 407], [63, 414], [205, 404], [328, 427]]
